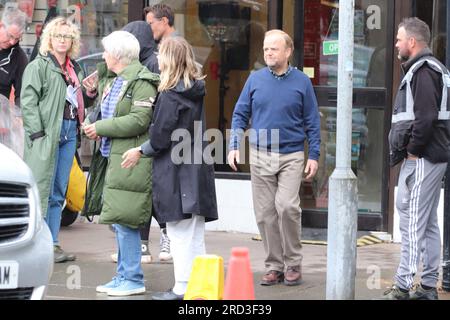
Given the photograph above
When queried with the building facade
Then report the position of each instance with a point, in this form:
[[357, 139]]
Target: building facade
[[227, 37]]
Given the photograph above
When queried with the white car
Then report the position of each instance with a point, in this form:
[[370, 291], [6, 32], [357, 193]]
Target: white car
[[26, 246]]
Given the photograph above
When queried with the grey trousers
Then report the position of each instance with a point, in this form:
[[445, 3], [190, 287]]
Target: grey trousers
[[276, 180], [417, 200]]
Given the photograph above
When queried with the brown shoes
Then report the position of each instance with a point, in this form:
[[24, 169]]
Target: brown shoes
[[293, 276], [272, 277]]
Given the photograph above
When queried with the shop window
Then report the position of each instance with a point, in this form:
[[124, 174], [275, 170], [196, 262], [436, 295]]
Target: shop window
[[438, 26], [366, 159], [96, 19], [227, 37], [321, 37], [320, 52]]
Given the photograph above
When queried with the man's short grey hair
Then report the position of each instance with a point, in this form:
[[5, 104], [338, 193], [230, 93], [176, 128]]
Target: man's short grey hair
[[123, 46], [14, 16], [416, 29]]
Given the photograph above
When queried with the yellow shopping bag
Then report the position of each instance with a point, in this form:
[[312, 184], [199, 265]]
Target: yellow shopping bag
[[76, 189]]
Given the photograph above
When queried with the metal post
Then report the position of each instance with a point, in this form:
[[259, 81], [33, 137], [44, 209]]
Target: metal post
[[222, 88], [343, 203], [446, 244]]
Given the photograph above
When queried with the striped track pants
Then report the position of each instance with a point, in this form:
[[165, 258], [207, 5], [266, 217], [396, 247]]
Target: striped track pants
[[417, 200]]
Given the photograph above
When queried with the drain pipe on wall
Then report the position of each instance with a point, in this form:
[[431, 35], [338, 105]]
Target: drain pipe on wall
[[446, 244]]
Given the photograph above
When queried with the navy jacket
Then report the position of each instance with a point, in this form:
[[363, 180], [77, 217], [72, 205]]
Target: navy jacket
[[183, 184]]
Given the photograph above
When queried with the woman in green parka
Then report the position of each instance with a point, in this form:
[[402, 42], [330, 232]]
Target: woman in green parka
[[126, 92], [52, 108]]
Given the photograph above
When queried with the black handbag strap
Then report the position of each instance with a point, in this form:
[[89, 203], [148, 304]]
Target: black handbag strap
[[91, 218]]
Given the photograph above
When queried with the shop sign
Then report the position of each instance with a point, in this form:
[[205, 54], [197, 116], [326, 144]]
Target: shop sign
[[330, 47]]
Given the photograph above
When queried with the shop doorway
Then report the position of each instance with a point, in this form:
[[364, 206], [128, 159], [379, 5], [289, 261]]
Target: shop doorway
[[317, 55]]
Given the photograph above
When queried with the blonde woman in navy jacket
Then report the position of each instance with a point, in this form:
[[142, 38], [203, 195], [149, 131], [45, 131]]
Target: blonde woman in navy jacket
[[183, 189]]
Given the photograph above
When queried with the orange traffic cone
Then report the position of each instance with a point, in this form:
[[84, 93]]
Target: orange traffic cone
[[239, 280]]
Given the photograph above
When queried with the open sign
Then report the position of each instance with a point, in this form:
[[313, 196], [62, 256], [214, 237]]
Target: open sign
[[330, 47]]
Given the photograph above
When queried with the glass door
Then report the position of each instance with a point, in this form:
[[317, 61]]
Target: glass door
[[371, 73]]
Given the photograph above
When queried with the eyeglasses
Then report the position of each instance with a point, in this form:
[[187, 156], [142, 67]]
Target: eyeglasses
[[61, 37], [12, 37]]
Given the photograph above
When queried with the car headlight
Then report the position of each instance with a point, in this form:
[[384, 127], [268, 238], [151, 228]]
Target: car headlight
[[35, 205]]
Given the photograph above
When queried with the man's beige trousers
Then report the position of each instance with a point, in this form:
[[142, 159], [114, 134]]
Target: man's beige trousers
[[276, 180]]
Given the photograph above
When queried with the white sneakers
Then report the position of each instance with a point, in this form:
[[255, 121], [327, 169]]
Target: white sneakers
[[145, 258], [164, 254], [164, 244]]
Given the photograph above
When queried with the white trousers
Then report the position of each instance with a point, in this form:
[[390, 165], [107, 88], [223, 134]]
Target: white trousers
[[187, 240]]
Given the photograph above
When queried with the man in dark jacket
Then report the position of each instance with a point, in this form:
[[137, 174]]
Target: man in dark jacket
[[13, 59], [161, 19], [51, 13], [420, 138], [142, 31]]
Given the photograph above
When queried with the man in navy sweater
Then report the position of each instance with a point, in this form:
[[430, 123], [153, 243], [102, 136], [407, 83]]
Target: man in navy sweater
[[283, 109]]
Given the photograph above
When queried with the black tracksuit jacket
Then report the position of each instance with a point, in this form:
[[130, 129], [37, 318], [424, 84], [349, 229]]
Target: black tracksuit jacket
[[12, 64], [425, 136]]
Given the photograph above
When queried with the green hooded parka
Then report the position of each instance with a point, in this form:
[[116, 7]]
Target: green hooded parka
[[127, 198]]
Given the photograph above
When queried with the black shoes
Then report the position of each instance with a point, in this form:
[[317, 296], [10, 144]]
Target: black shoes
[[168, 295], [422, 294], [395, 293], [418, 293]]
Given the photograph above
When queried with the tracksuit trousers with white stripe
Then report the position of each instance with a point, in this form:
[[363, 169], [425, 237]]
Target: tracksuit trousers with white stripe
[[419, 188]]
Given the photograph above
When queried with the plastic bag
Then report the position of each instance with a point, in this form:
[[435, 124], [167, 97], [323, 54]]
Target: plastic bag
[[11, 126], [76, 188]]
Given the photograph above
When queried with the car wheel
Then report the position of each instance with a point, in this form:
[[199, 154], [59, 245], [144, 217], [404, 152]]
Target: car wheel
[[68, 217]]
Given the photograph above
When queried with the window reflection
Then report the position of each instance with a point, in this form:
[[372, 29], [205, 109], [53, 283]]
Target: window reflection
[[227, 37], [321, 36], [96, 19], [366, 159], [320, 62]]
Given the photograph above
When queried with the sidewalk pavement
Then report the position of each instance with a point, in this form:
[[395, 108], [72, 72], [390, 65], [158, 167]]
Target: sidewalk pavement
[[94, 243]]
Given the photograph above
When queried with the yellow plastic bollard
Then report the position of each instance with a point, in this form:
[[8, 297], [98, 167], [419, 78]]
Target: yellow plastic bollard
[[207, 279]]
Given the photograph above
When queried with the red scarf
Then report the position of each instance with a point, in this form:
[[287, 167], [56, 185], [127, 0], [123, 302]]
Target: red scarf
[[73, 76]]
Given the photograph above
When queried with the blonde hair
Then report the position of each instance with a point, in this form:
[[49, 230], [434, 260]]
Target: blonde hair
[[287, 39], [176, 59], [52, 28]]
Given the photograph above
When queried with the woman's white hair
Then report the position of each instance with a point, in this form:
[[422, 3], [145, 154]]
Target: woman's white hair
[[123, 46]]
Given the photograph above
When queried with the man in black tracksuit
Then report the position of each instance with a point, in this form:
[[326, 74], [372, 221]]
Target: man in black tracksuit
[[13, 59], [420, 138]]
